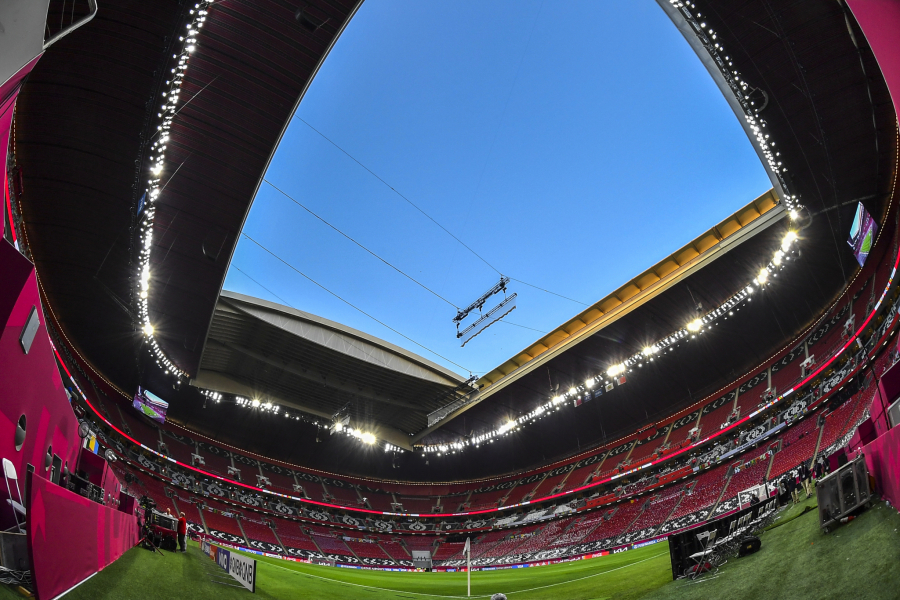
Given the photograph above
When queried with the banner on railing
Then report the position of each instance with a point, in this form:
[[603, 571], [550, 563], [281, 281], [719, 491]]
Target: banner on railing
[[240, 567]]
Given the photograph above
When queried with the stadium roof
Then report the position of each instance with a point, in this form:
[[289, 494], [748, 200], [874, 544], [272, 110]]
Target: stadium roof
[[85, 122], [88, 111], [256, 348]]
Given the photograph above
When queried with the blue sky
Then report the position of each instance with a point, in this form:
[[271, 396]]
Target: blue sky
[[570, 144]]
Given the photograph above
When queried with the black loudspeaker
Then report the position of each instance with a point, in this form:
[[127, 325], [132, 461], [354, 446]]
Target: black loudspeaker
[[749, 545], [14, 551]]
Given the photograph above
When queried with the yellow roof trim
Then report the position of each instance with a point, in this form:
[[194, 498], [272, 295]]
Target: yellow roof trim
[[664, 270]]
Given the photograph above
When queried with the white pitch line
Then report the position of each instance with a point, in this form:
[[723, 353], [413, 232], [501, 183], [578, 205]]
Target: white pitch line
[[541, 587], [371, 587]]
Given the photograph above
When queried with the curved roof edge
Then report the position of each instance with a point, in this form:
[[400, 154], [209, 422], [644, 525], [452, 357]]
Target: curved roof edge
[[252, 304], [707, 246]]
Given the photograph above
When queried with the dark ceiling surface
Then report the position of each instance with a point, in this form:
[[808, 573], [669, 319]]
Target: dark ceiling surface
[[83, 124], [80, 121], [322, 368]]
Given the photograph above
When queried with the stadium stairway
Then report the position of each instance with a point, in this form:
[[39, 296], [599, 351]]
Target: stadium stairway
[[243, 533], [771, 462], [391, 549], [316, 544], [275, 533], [712, 509]]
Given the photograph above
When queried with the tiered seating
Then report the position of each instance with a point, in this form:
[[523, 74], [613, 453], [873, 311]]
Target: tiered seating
[[750, 400], [396, 550], [787, 376], [155, 489], [282, 482], [219, 522], [367, 550], [576, 479], [836, 423], [712, 421], [177, 450], [342, 496], [518, 493], [747, 478], [380, 501], [299, 542], [642, 453], [546, 487], [859, 409], [140, 429], [655, 514], [486, 500], [259, 532], [448, 551], [579, 529], [798, 444], [545, 537], [617, 524], [418, 505], [417, 542], [332, 545], [218, 464], [486, 542], [705, 492], [509, 546]]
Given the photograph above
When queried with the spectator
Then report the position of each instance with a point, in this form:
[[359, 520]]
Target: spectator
[[805, 477], [182, 532]]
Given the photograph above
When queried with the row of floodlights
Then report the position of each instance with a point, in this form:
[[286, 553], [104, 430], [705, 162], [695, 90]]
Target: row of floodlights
[[618, 370]]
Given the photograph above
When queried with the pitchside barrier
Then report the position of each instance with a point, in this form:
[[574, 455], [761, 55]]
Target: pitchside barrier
[[240, 567]]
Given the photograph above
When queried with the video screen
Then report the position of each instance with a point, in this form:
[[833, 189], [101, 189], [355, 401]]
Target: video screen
[[862, 234], [150, 405]]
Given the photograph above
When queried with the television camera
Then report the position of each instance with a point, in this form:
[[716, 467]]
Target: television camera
[[159, 530]]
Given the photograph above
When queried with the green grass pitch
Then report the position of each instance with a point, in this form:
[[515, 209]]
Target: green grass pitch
[[858, 560]]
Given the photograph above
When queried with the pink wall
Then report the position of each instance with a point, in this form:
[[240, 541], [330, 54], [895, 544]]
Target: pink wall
[[880, 22], [30, 384], [70, 537]]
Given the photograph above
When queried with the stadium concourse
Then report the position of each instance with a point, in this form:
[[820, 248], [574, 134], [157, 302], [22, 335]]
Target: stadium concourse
[[642, 449]]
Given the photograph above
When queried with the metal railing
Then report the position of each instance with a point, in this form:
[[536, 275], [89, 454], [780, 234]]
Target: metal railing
[[65, 16]]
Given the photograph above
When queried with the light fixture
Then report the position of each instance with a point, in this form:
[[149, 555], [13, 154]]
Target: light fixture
[[148, 329], [695, 325], [763, 276], [255, 403]]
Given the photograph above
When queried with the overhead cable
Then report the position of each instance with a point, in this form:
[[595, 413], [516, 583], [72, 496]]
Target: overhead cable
[[410, 277], [429, 217], [350, 304]]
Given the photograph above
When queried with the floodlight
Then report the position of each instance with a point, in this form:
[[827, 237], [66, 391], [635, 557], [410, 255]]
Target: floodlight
[[695, 325]]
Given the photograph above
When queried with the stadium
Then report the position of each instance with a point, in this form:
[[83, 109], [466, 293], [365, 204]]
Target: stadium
[[724, 422]]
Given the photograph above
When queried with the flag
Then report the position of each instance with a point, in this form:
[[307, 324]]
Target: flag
[[578, 401], [622, 380], [609, 386], [468, 546]]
